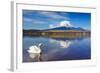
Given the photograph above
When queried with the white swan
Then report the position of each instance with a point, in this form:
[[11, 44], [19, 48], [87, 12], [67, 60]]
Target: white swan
[[35, 49]]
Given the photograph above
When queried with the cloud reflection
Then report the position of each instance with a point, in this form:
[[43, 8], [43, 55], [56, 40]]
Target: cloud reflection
[[61, 43]]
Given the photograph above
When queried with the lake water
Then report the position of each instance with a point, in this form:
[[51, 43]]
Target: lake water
[[57, 49]]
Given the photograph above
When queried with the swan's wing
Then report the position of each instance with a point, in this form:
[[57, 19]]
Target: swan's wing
[[34, 49], [37, 50]]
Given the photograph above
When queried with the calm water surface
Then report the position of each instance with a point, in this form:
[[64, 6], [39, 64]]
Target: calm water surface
[[56, 49]]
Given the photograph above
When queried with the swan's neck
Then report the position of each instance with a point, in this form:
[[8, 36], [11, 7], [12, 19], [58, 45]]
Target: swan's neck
[[39, 45]]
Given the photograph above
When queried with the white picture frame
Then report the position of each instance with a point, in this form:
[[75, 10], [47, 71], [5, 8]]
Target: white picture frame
[[16, 51]]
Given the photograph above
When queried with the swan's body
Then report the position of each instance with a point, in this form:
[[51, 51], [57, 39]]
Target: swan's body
[[35, 49]]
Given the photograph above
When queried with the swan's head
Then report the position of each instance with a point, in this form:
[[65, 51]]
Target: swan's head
[[40, 45]]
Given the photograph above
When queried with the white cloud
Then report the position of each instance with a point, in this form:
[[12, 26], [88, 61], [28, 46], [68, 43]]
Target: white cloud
[[33, 21], [53, 15], [65, 23], [61, 24], [51, 26], [27, 19]]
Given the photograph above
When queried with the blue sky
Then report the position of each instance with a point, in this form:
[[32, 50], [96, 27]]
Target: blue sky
[[33, 19]]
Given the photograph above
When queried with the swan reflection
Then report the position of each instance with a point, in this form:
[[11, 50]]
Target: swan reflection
[[35, 56]]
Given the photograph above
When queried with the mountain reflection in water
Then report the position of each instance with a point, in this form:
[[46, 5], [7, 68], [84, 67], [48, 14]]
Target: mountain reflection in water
[[56, 49]]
